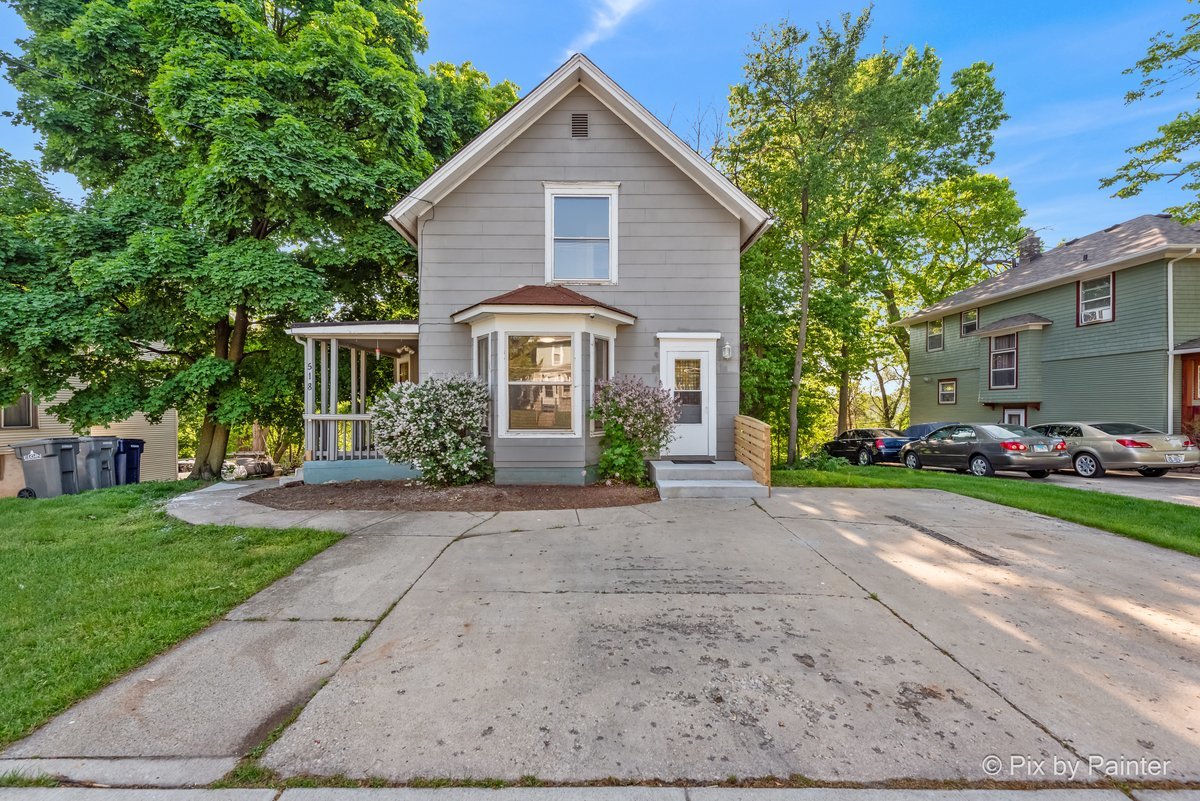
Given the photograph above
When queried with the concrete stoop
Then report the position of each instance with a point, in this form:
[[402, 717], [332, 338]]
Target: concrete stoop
[[721, 479]]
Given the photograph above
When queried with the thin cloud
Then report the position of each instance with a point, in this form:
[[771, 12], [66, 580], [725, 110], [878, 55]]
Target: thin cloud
[[607, 16]]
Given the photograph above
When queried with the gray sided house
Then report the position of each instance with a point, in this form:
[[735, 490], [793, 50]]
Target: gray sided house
[[1106, 326], [575, 239]]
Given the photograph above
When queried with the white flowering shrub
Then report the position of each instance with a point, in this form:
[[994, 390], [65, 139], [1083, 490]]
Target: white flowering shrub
[[437, 426]]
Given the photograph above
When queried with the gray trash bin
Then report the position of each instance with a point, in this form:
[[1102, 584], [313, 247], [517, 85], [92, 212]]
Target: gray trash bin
[[48, 466], [95, 466]]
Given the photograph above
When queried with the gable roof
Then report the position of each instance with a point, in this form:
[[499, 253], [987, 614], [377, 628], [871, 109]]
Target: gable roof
[[577, 71], [548, 295], [1127, 244]]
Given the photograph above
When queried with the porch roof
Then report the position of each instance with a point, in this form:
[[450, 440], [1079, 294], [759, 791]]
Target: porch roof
[[542, 298], [387, 335], [1189, 346]]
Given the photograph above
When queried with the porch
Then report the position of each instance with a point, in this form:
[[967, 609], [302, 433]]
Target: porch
[[343, 371]]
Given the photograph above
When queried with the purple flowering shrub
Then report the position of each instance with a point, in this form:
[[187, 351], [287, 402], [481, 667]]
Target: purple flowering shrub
[[437, 426], [639, 423]]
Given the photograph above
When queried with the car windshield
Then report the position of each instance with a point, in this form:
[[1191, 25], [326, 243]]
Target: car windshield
[[1123, 428], [1009, 431]]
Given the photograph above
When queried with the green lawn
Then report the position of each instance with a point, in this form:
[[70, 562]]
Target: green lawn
[[93, 585], [1168, 525]]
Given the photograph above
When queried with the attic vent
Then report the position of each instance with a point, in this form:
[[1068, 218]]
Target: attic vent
[[579, 126]]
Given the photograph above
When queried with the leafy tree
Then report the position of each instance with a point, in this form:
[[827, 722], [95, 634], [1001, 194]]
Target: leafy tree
[[238, 158], [838, 143], [1171, 59]]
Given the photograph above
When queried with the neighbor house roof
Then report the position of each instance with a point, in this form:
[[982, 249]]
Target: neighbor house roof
[[542, 298], [577, 71], [1018, 322], [1191, 344], [1127, 244]]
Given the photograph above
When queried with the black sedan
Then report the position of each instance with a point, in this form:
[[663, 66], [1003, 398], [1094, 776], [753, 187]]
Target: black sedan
[[984, 449], [864, 446]]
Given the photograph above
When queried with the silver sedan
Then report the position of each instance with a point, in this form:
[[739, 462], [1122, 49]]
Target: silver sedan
[[1097, 447]]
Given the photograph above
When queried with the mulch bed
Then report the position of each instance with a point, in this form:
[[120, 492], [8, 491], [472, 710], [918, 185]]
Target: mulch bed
[[409, 496]]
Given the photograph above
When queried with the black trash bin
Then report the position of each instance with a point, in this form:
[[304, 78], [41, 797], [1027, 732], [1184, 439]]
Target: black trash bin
[[128, 460], [48, 466], [94, 463]]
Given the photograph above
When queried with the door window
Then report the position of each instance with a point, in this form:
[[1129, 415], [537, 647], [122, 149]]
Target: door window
[[688, 391]]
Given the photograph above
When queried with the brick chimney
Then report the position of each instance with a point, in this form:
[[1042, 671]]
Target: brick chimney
[[1028, 248]]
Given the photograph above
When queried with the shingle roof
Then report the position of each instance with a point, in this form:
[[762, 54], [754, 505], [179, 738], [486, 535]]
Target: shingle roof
[[1016, 321], [1191, 344], [1147, 235], [544, 295]]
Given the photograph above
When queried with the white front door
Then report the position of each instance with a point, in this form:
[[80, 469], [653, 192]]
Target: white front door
[[1014, 417], [688, 370]]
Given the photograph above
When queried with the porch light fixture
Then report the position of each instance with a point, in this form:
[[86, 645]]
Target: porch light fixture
[[727, 351]]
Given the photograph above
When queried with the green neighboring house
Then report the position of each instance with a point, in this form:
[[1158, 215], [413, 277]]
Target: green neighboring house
[[1106, 326]]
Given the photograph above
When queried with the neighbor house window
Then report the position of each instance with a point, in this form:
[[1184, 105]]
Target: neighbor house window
[[970, 322], [1096, 300], [948, 391], [601, 370], [933, 335], [1004, 362], [581, 232], [483, 373], [539, 383], [18, 415]]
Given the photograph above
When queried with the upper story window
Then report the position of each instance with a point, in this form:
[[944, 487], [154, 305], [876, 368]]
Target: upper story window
[[1003, 362], [947, 391], [581, 233], [934, 335], [970, 322], [19, 415], [1096, 300]]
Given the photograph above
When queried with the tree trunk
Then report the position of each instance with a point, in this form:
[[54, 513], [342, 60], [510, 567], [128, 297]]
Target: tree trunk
[[844, 392], [229, 343], [888, 411], [802, 336]]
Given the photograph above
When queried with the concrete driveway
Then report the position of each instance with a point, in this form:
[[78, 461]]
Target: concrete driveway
[[1182, 487], [817, 633]]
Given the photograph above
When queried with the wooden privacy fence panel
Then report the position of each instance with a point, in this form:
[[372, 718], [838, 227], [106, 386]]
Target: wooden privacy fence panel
[[752, 447]]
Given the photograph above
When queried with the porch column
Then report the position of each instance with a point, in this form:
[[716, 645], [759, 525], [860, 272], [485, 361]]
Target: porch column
[[310, 392], [333, 376], [324, 404]]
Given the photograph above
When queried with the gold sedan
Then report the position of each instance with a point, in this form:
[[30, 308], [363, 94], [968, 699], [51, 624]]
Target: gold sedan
[[1098, 447]]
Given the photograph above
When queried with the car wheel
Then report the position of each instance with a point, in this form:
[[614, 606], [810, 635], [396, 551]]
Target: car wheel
[[1088, 466], [864, 458], [912, 461], [26, 493], [1038, 473], [980, 466], [1152, 472]]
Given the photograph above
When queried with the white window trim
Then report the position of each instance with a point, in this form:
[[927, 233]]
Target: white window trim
[[611, 372], [1109, 309], [502, 386], [954, 391], [992, 352], [928, 331], [608, 189]]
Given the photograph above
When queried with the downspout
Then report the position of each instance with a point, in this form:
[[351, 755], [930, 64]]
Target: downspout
[[1171, 338]]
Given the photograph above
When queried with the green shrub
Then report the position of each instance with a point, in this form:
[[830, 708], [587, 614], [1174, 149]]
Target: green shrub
[[819, 460], [437, 426], [638, 421]]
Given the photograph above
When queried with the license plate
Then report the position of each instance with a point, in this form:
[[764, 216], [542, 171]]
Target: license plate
[[1174, 458], [1040, 448]]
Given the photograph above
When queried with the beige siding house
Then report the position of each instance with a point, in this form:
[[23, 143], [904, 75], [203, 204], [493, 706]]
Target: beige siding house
[[24, 421], [575, 239]]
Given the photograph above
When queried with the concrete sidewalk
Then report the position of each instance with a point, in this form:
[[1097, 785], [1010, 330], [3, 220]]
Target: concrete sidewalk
[[592, 794]]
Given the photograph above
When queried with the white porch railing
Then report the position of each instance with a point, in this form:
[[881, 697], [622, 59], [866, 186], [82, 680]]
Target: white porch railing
[[338, 437]]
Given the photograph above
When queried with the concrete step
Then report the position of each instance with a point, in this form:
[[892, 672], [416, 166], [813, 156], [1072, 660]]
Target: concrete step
[[732, 488], [664, 470]]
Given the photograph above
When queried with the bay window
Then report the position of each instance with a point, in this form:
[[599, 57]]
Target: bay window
[[601, 371], [484, 374], [1003, 362], [540, 375]]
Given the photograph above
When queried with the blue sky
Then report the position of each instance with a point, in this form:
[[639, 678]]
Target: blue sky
[[1059, 64]]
